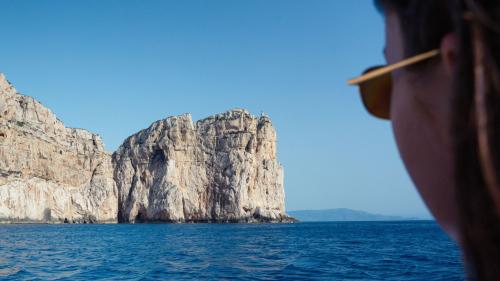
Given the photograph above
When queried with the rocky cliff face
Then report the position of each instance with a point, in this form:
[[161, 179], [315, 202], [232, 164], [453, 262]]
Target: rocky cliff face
[[50, 173], [222, 168]]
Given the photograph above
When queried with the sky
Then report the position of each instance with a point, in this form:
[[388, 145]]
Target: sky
[[114, 67]]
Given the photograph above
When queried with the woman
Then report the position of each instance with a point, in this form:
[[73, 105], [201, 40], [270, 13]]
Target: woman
[[441, 91]]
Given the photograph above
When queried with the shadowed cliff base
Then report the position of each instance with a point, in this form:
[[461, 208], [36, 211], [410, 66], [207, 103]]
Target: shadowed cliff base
[[250, 220]]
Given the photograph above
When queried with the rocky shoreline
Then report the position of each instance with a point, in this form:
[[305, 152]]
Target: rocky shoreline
[[221, 169]]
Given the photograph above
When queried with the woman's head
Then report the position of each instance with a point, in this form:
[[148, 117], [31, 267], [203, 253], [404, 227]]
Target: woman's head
[[421, 103], [447, 139]]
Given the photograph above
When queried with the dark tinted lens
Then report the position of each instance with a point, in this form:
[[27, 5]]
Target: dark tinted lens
[[376, 94]]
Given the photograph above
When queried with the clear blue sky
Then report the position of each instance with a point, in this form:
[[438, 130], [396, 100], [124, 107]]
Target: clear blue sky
[[114, 67]]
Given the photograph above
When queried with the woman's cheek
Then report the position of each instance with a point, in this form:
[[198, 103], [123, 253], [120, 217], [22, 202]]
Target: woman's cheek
[[426, 157]]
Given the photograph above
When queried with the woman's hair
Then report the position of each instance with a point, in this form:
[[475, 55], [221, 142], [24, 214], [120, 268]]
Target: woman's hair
[[476, 113]]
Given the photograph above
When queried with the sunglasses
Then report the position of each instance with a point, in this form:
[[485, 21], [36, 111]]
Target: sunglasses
[[375, 84]]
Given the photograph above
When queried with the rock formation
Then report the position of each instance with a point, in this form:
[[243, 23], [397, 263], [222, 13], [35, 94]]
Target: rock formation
[[222, 168], [50, 173], [219, 169]]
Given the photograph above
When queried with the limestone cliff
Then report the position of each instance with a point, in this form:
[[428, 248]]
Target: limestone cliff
[[219, 169], [50, 173], [222, 168]]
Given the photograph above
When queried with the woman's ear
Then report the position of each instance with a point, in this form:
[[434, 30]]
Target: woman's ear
[[449, 51]]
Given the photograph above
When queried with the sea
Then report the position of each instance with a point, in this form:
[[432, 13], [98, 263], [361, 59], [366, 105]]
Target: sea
[[395, 250]]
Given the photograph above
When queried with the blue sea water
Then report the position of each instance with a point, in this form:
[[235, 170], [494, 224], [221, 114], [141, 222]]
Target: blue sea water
[[411, 250]]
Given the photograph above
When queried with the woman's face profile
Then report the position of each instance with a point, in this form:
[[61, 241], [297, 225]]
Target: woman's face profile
[[420, 114]]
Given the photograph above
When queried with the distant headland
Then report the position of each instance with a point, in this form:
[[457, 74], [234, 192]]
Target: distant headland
[[343, 214]]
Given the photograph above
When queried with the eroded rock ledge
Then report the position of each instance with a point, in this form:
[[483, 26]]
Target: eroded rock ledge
[[219, 169]]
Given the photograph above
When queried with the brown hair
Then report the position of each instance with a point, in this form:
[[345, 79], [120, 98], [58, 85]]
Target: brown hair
[[476, 113]]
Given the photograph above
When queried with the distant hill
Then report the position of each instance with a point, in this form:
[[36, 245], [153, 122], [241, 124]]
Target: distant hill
[[341, 215]]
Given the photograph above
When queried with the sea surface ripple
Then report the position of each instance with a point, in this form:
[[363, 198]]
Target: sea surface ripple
[[412, 250]]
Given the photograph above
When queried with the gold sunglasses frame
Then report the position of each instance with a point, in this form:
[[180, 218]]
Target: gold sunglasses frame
[[391, 67]]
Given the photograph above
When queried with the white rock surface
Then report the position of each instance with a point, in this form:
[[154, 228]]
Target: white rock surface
[[50, 173], [219, 169]]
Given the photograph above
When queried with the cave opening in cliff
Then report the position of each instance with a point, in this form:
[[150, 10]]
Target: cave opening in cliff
[[140, 218]]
